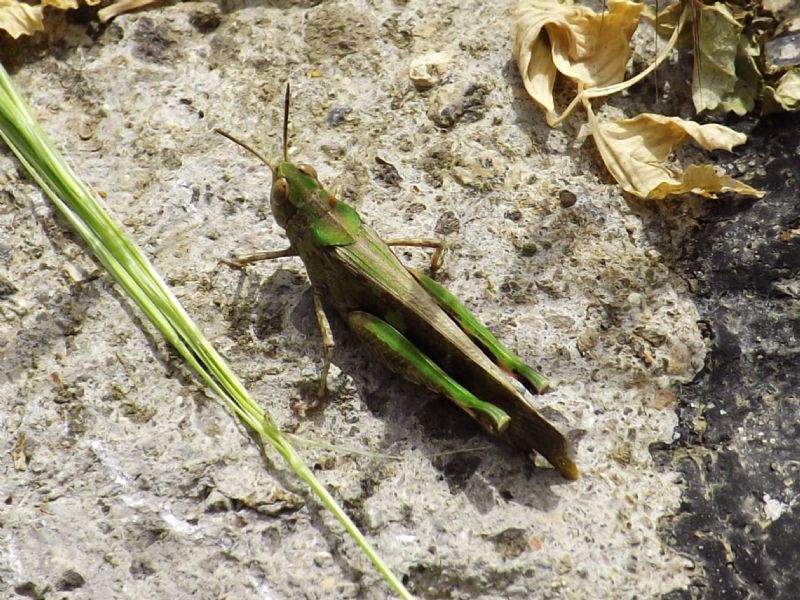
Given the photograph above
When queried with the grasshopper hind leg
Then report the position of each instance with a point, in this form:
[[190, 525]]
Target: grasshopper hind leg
[[530, 378], [404, 358]]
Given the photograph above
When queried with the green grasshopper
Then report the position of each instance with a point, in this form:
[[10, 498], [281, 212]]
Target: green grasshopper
[[411, 323]]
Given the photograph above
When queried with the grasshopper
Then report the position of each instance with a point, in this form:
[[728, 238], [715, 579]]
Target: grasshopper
[[410, 322]]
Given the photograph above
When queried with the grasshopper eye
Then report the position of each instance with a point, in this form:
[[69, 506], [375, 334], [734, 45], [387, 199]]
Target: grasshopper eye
[[280, 188], [279, 200], [307, 170]]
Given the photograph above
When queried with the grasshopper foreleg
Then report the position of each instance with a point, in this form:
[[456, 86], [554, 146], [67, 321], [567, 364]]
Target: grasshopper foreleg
[[438, 255], [240, 262]]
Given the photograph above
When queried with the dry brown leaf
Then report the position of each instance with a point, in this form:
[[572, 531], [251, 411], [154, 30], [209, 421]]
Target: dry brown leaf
[[61, 4], [20, 19], [592, 49], [551, 37], [787, 92], [635, 151]]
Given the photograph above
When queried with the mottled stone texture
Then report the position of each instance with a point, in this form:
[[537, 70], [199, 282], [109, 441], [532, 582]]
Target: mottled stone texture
[[739, 445], [121, 478]]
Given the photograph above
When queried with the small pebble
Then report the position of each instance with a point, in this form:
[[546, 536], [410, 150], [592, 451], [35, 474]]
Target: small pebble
[[567, 199]]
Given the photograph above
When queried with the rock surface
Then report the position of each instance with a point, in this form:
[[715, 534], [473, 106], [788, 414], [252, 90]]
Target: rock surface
[[738, 443], [121, 478]]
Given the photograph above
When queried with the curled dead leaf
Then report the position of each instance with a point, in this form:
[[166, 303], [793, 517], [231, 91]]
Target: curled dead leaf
[[550, 37], [19, 19], [590, 48], [635, 151], [61, 4], [787, 92]]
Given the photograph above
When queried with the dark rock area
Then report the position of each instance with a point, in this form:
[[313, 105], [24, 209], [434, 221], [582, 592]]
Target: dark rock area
[[738, 446]]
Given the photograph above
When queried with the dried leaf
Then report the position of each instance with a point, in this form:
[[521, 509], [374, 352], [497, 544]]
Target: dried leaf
[[20, 19], [716, 43], [550, 37], [663, 54], [748, 78], [61, 4], [665, 21], [787, 92], [635, 151]]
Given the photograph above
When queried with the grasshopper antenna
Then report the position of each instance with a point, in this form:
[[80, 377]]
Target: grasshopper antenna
[[286, 101], [247, 147]]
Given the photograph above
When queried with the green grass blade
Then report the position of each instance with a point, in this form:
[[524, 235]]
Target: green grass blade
[[133, 271]]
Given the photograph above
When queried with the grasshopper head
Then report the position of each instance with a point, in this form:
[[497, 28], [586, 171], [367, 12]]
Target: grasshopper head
[[296, 189]]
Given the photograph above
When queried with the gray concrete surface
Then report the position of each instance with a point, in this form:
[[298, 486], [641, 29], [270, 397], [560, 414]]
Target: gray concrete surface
[[134, 483]]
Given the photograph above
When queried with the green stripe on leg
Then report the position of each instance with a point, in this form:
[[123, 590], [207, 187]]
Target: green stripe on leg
[[478, 332], [406, 359]]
